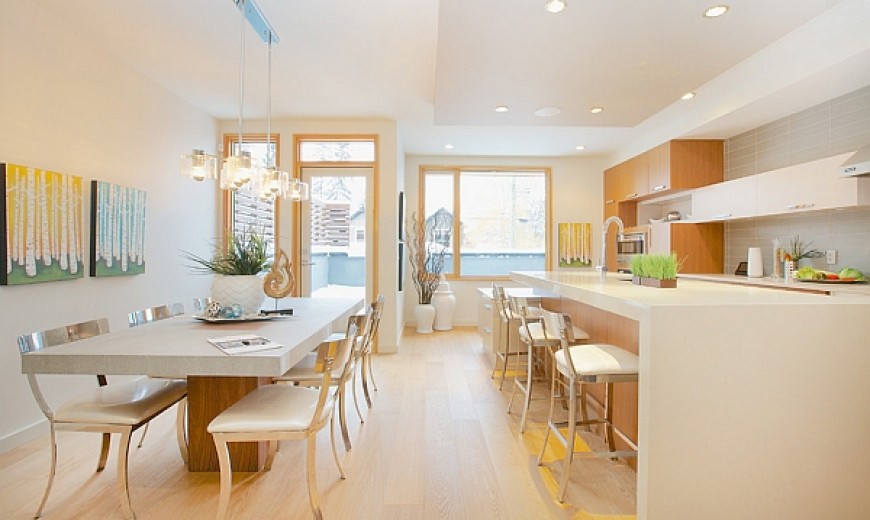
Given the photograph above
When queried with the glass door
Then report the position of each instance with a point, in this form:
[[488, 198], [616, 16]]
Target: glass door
[[336, 223]]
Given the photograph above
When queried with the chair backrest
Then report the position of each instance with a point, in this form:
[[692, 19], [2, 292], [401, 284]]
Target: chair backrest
[[43, 339], [152, 314], [375, 312], [499, 299], [176, 309], [337, 354], [554, 322]]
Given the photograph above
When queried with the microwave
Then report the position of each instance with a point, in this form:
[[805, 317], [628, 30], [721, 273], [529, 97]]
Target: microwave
[[628, 245]]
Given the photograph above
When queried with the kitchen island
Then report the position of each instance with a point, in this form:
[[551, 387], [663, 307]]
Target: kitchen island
[[752, 402]]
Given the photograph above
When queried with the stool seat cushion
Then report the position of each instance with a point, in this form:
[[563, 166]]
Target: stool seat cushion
[[598, 360], [131, 402], [536, 330], [271, 408]]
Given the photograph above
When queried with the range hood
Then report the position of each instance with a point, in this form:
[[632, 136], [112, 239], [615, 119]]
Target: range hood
[[858, 164]]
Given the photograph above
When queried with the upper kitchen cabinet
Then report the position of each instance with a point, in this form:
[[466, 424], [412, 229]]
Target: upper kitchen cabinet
[[810, 186], [636, 177], [684, 164], [726, 200]]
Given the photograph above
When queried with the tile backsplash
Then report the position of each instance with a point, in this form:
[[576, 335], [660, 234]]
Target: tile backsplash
[[834, 127], [847, 232]]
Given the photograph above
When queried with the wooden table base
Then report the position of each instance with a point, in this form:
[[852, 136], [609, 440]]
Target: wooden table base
[[208, 396]]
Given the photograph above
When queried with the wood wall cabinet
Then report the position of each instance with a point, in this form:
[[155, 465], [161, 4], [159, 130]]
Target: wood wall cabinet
[[684, 164], [700, 247]]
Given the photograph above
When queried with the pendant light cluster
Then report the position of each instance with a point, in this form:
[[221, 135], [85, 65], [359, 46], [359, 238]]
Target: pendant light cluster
[[238, 172]]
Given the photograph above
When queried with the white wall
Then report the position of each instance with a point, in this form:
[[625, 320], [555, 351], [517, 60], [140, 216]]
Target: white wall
[[72, 108], [389, 158], [577, 194]]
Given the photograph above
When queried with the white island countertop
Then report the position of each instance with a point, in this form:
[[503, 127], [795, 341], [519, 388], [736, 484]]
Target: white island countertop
[[752, 402]]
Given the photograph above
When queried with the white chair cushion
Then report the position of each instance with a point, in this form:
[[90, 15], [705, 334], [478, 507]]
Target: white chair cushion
[[598, 360], [130, 402], [271, 408]]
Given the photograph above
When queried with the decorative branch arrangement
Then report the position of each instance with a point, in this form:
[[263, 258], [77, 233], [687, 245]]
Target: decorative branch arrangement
[[426, 258]]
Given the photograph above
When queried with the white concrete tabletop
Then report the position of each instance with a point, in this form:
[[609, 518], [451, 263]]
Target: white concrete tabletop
[[179, 346]]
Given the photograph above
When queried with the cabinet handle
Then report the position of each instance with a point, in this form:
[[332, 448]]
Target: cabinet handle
[[631, 196], [792, 207], [660, 187], [721, 216], [487, 330], [487, 306], [609, 201]]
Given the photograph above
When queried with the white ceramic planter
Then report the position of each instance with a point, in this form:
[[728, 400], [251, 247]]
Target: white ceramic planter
[[425, 313], [245, 290], [444, 302]]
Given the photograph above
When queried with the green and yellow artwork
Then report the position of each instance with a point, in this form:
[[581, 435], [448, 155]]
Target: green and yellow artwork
[[575, 244], [42, 217], [117, 230]]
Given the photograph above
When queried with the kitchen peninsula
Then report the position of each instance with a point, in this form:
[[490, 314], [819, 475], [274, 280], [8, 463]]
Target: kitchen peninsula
[[752, 402]]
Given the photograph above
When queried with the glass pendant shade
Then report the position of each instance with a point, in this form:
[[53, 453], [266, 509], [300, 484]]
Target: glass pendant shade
[[297, 190], [237, 171], [198, 165]]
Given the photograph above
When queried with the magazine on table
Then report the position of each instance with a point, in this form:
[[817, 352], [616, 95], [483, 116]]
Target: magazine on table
[[243, 344]]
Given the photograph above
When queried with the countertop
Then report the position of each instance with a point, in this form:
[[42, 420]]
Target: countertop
[[781, 284]]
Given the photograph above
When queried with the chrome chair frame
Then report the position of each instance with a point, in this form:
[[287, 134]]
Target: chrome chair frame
[[259, 410], [150, 400], [508, 325], [570, 377], [150, 315], [307, 372]]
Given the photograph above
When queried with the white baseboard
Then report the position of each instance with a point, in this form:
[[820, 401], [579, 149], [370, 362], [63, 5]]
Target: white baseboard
[[24, 435]]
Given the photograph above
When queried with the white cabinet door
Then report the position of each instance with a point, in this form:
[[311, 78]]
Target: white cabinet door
[[806, 187], [725, 200]]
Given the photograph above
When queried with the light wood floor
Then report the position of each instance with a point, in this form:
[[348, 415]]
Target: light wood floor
[[436, 444]]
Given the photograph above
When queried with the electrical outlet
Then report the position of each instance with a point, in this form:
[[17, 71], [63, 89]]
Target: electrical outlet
[[831, 256]]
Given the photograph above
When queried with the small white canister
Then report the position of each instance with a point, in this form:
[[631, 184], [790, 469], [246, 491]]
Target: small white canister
[[756, 267]]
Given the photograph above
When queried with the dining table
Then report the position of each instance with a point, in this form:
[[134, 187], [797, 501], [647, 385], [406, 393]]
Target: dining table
[[179, 347]]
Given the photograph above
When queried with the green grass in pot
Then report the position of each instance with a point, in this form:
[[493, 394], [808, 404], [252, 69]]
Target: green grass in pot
[[661, 267]]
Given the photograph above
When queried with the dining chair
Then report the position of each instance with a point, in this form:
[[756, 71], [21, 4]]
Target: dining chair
[[576, 366], [307, 371], [110, 408], [365, 364], [276, 413], [539, 332], [150, 315]]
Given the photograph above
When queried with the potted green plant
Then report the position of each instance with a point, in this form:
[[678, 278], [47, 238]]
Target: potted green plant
[[236, 263], [655, 270]]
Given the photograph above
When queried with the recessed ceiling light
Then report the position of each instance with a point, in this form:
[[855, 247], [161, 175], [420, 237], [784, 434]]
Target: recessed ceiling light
[[448, 146], [547, 112], [688, 95], [716, 10], [502, 108], [555, 6], [580, 147], [596, 110]]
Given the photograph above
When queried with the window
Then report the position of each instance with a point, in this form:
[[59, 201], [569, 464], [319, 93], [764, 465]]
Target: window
[[337, 151], [244, 209], [489, 221]]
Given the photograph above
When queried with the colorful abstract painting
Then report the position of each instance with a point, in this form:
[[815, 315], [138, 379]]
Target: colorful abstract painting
[[117, 230], [42, 215], [575, 244]]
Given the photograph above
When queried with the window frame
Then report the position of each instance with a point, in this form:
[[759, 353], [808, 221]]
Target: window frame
[[456, 248], [227, 203]]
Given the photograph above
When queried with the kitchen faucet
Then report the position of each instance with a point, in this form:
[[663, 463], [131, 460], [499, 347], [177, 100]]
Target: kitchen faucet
[[602, 261]]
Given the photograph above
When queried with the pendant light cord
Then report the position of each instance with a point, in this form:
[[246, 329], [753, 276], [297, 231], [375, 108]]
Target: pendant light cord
[[270, 154], [241, 77]]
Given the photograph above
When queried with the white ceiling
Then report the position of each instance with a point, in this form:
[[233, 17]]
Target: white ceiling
[[439, 67]]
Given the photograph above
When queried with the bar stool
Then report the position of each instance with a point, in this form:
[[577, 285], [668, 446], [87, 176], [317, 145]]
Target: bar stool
[[580, 365], [506, 351], [538, 330]]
